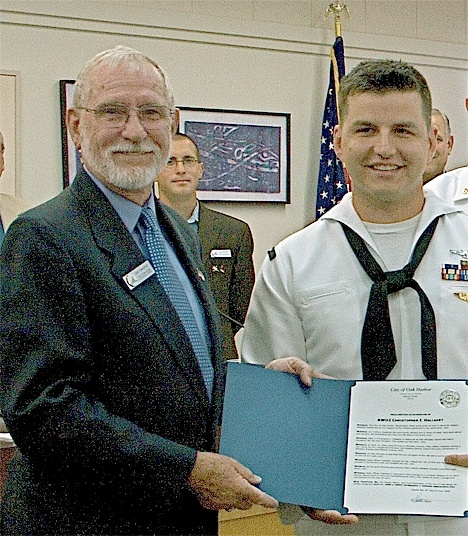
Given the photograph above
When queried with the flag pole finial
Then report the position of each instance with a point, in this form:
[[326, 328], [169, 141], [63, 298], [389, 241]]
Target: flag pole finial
[[337, 8]]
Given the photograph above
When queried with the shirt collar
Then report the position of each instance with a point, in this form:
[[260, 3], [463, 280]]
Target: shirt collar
[[128, 211], [195, 217]]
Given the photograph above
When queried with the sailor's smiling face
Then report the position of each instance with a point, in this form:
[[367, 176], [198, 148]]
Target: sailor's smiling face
[[385, 144]]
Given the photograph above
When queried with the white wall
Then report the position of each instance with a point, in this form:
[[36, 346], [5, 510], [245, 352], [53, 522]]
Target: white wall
[[213, 62]]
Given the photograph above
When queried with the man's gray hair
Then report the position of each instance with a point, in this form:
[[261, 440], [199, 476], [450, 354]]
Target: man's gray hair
[[112, 58]]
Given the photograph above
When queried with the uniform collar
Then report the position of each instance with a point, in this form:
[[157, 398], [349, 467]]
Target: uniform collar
[[195, 217]]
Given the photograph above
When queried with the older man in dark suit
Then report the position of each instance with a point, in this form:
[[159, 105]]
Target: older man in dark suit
[[227, 241], [110, 350]]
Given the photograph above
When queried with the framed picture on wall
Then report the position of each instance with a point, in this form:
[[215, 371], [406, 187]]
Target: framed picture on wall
[[245, 154], [71, 162]]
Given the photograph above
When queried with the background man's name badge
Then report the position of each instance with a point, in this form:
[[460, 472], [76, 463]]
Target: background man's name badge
[[138, 275], [220, 253]]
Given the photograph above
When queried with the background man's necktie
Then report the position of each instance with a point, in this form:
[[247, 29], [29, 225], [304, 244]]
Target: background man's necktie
[[172, 285], [2, 232], [377, 345]]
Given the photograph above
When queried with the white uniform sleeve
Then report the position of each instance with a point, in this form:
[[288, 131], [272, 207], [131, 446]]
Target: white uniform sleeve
[[273, 328]]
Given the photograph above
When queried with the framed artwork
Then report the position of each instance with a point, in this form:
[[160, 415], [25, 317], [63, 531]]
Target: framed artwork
[[245, 154], [71, 162]]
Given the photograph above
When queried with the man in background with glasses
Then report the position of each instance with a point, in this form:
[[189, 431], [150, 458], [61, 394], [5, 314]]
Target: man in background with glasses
[[226, 241], [110, 348]]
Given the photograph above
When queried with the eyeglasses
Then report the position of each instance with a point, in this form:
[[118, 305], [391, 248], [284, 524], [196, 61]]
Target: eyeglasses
[[116, 115], [187, 161]]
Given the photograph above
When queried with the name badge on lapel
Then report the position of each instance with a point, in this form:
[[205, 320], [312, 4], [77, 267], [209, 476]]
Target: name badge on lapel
[[138, 275], [220, 253]]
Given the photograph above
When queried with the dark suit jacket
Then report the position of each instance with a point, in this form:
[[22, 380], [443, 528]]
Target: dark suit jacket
[[231, 278], [100, 388]]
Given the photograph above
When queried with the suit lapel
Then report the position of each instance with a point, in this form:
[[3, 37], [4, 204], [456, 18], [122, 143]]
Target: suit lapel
[[113, 238], [208, 230], [155, 302]]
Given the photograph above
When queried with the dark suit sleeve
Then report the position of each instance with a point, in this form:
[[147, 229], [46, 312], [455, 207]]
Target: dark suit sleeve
[[53, 364], [242, 278]]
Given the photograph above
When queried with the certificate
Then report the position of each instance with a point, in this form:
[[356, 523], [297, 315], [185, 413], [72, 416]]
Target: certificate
[[399, 433], [353, 446]]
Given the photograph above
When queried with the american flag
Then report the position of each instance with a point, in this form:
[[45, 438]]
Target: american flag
[[332, 183]]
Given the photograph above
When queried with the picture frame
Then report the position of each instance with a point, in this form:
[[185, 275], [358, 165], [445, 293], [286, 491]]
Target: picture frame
[[71, 162], [246, 155]]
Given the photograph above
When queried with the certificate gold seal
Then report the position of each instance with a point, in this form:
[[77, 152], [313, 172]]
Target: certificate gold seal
[[449, 398]]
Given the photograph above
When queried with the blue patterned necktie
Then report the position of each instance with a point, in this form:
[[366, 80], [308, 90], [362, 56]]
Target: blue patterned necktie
[[172, 285]]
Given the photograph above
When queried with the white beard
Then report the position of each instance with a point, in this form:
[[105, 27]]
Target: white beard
[[131, 178]]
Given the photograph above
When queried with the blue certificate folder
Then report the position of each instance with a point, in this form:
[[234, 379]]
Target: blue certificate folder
[[294, 437]]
